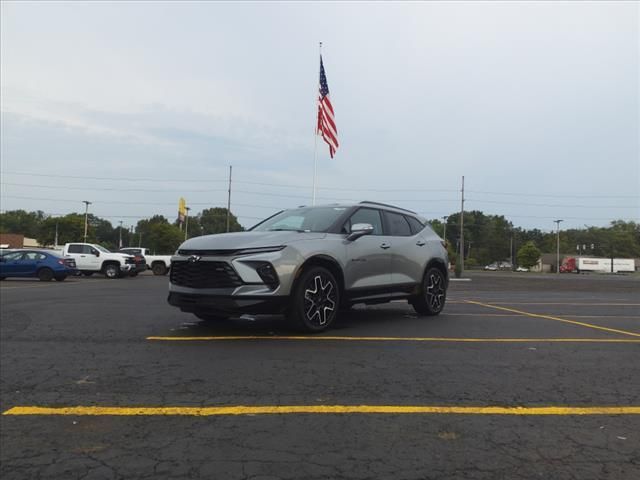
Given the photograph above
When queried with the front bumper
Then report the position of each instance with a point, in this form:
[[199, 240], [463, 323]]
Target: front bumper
[[227, 304]]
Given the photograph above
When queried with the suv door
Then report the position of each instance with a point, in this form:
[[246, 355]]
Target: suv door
[[409, 253], [368, 259]]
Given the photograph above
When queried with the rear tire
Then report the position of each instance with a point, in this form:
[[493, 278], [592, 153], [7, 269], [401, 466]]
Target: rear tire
[[159, 268], [60, 278], [111, 270], [433, 293], [314, 301], [45, 274]]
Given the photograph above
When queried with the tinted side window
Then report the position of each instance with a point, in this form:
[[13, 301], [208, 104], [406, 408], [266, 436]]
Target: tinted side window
[[75, 248], [397, 224], [366, 215], [415, 225]]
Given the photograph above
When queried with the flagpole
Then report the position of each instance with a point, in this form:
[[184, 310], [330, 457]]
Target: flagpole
[[315, 145]]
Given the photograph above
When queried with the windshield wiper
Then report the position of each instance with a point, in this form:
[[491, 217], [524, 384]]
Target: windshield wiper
[[288, 230]]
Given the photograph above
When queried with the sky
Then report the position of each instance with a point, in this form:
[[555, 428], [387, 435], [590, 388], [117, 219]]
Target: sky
[[131, 105]]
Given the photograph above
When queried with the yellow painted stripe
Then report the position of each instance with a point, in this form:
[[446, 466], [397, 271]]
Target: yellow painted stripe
[[312, 338], [557, 319], [583, 304], [322, 409], [492, 315]]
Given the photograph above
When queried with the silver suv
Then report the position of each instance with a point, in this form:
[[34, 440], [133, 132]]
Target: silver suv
[[310, 262]]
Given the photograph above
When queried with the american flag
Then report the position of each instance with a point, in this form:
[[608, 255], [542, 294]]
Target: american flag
[[326, 121]]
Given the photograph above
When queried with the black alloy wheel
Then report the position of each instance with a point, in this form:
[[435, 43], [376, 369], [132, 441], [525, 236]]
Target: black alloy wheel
[[433, 295], [315, 300], [45, 274]]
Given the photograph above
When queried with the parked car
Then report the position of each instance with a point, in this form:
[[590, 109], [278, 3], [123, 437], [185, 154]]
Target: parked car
[[33, 263], [498, 266], [309, 262], [140, 263], [158, 264], [522, 269]]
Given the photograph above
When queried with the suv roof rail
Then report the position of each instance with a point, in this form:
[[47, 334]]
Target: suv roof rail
[[387, 205]]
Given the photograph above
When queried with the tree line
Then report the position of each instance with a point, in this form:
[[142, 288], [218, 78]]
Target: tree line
[[488, 238], [156, 233]]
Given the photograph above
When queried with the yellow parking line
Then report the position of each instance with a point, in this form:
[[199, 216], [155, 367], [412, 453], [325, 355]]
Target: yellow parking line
[[322, 409], [312, 338], [557, 319], [583, 304]]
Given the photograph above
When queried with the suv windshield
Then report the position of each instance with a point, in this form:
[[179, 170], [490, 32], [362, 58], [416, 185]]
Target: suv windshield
[[306, 219], [102, 249]]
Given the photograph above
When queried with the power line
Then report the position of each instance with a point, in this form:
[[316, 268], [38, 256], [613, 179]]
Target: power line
[[345, 189]]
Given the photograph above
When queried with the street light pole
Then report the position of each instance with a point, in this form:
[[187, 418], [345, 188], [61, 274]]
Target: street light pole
[[120, 236], [557, 222], [186, 223], [86, 218]]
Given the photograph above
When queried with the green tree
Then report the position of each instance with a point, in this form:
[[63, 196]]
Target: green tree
[[214, 220], [528, 255], [21, 222], [158, 235], [70, 229]]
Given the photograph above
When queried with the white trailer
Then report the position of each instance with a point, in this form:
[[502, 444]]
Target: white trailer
[[604, 265]]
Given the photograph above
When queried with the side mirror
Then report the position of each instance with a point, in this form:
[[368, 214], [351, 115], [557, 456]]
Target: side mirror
[[96, 253], [360, 230]]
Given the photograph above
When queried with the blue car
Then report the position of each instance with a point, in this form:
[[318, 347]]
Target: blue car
[[33, 263]]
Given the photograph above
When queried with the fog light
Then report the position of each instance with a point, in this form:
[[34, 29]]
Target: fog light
[[268, 275]]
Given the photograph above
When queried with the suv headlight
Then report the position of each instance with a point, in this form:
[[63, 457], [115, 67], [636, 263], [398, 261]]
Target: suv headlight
[[252, 251]]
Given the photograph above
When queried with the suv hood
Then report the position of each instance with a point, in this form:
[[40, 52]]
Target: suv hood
[[233, 241]]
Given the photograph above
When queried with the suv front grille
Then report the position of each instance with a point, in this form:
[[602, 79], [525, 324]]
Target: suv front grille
[[204, 274]]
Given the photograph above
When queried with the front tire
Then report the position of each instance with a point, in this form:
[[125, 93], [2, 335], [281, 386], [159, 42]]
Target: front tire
[[111, 270], [433, 293], [314, 301], [45, 274]]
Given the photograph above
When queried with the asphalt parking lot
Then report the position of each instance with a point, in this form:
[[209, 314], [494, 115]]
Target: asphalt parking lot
[[523, 376]]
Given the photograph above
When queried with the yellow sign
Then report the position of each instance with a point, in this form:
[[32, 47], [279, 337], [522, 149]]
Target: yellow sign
[[182, 209]]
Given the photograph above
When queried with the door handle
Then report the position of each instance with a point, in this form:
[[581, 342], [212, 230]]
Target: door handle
[[385, 245], [420, 243]]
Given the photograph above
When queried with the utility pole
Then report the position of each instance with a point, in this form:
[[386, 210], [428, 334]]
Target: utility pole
[[56, 240], [186, 223], [120, 235], [557, 222], [462, 230], [229, 200], [445, 219], [511, 250], [86, 218]]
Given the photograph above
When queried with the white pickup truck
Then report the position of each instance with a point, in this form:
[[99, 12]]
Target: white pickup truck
[[91, 258], [159, 264]]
